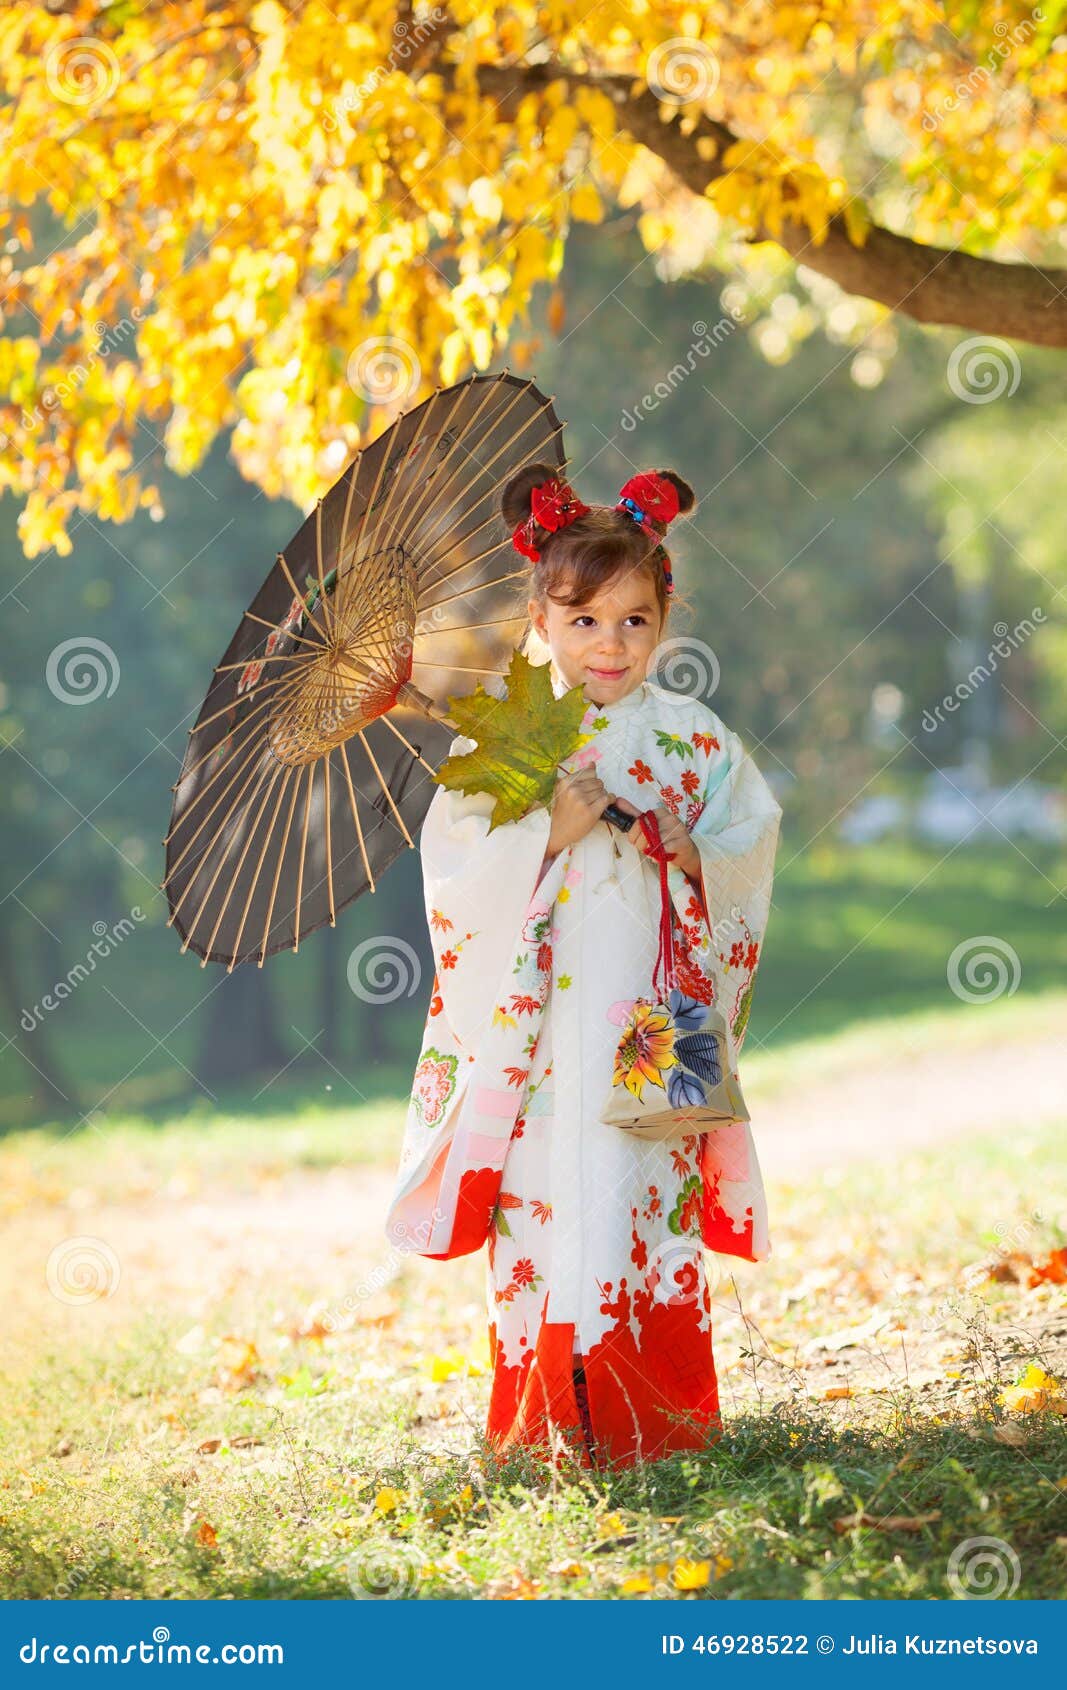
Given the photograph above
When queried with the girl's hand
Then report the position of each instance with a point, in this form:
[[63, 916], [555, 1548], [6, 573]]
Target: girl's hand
[[578, 802], [678, 845]]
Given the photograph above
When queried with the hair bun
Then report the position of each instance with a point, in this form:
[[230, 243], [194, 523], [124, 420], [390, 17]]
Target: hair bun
[[686, 496], [515, 499]]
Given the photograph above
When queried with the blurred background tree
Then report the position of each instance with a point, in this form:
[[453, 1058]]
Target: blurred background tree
[[240, 239]]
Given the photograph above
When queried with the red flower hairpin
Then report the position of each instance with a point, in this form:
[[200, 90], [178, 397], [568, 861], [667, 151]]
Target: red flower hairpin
[[652, 500], [553, 505]]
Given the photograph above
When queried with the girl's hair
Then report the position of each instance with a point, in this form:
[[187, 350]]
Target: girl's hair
[[578, 560]]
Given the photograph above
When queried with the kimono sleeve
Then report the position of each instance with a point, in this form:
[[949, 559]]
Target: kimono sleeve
[[489, 900], [477, 885], [719, 944]]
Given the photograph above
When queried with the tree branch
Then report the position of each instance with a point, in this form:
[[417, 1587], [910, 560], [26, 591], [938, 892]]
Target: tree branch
[[929, 284]]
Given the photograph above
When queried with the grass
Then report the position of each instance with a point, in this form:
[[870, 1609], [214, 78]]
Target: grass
[[868, 931], [270, 1405]]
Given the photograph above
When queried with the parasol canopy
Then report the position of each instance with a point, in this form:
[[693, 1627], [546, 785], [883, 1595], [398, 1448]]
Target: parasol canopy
[[310, 766]]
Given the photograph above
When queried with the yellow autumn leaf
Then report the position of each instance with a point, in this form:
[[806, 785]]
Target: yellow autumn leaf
[[691, 1575], [857, 220], [388, 1500], [586, 204], [639, 1584], [449, 1363], [1035, 1392]]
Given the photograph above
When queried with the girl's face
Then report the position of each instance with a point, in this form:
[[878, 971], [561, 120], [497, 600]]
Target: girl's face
[[604, 645]]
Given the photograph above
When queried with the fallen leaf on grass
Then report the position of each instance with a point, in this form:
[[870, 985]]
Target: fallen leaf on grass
[[238, 1363], [1010, 1434], [211, 1446], [838, 1391], [691, 1575], [1035, 1392], [451, 1363], [383, 1318], [453, 1508], [1052, 1271], [639, 1585], [1010, 1269], [515, 1587], [388, 1499], [854, 1335], [206, 1537], [304, 1383], [313, 1330], [888, 1522]]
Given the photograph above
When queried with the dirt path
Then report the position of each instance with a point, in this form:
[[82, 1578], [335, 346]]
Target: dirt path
[[323, 1231], [917, 1101]]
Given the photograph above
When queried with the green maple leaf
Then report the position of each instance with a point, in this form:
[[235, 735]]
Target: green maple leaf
[[520, 740]]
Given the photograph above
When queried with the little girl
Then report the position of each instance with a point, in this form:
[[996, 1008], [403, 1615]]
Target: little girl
[[545, 931]]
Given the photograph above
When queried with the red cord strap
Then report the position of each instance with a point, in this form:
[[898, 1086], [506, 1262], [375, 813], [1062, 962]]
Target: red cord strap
[[665, 954]]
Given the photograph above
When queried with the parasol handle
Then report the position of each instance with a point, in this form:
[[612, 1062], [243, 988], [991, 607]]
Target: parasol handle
[[619, 817]]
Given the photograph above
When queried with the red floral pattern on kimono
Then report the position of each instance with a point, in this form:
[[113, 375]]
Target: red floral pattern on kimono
[[596, 1241]]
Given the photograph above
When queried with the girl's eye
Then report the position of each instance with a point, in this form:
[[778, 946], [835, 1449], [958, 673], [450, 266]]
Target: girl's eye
[[636, 617]]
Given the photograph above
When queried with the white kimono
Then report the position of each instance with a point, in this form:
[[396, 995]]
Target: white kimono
[[595, 1239]]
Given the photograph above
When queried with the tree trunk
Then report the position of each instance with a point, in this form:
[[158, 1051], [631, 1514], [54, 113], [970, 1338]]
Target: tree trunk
[[329, 1000], [239, 1037], [1020, 301], [47, 1086]]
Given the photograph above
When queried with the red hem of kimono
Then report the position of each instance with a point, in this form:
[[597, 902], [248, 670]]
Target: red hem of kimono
[[645, 1402], [536, 1393]]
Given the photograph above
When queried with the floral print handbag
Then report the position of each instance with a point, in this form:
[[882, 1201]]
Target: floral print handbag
[[672, 1074]]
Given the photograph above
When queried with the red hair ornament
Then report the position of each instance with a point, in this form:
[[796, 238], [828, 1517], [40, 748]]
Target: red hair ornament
[[652, 501], [553, 505]]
